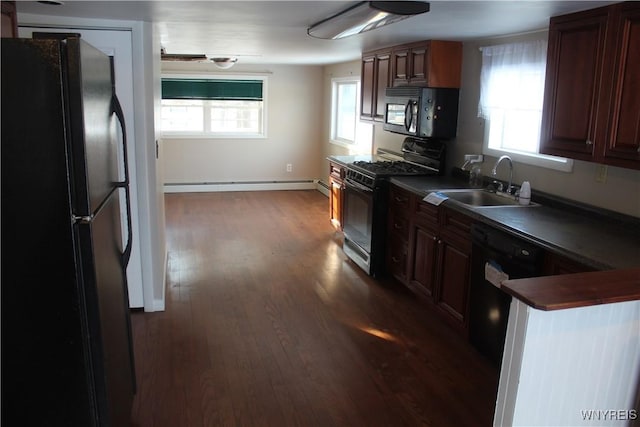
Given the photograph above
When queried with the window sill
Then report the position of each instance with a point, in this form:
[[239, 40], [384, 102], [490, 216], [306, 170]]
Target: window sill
[[342, 143], [540, 160], [185, 135]]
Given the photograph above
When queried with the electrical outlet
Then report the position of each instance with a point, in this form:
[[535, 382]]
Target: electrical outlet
[[601, 174], [289, 167]]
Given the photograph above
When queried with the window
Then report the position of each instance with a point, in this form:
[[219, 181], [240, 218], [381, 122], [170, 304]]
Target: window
[[511, 95], [346, 128], [206, 107], [346, 94]]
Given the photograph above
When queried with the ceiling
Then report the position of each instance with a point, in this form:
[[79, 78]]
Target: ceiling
[[274, 32]]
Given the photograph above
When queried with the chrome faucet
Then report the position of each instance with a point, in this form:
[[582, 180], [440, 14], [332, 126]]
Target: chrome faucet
[[495, 168]]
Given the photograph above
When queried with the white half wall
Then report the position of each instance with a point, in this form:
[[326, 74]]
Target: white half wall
[[574, 367]]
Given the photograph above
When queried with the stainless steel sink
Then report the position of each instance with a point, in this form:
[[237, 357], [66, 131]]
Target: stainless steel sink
[[482, 198]]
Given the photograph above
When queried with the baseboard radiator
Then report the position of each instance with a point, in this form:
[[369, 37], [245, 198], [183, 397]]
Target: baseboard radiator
[[323, 187], [205, 187]]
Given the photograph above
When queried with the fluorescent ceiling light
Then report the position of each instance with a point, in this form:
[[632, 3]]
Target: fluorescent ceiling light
[[365, 16]]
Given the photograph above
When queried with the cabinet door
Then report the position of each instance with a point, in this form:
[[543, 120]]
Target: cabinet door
[[452, 295], [336, 187], [335, 203], [573, 91], [418, 66], [623, 147], [383, 68], [400, 67], [368, 87], [9, 25], [422, 271]]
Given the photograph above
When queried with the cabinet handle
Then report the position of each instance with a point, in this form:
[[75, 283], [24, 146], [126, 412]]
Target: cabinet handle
[[589, 142], [400, 199], [394, 259], [435, 238]]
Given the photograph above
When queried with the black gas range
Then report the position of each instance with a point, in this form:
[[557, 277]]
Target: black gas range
[[366, 192]]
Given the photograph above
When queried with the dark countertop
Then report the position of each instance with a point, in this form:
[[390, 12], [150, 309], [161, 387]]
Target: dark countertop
[[600, 240]]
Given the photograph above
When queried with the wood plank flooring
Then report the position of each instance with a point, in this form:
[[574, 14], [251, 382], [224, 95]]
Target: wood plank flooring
[[268, 324]]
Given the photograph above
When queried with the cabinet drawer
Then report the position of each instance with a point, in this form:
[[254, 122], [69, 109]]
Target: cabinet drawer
[[336, 171], [426, 213], [457, 226], [399, 226], [399, 201]]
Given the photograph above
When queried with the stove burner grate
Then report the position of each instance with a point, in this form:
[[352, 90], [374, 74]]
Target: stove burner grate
[[390, 167]]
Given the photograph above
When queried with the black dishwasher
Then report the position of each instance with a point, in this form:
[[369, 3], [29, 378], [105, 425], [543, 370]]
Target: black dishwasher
[[496, 256]]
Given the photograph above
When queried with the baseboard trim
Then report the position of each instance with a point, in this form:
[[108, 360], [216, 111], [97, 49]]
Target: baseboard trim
[[323, 188], [309, 184]]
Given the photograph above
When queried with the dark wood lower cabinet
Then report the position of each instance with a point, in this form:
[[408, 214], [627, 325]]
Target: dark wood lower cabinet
[[452, 298], [432, 255], [423, 261], [336, 196]]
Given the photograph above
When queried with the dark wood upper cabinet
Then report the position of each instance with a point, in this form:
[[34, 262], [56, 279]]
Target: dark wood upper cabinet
[[9, 25], [367, 92], [383, 69], [432, 63], [592, 94], [374, 81], [623, 147]]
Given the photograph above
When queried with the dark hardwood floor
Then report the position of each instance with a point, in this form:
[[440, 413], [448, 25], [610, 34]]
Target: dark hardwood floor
[[268, 324]]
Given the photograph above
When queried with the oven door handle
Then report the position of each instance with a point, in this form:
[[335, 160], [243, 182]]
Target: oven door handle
[[357, 186]]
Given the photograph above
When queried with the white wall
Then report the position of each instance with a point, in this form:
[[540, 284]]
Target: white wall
[[294, 118], [329, 72]]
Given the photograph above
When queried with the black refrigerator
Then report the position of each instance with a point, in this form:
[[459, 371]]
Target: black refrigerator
[[67, 354]]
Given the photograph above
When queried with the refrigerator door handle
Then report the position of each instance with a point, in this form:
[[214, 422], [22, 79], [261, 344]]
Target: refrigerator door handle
[[116, 109]]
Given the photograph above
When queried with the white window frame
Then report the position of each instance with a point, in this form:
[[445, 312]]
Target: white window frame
[[220, 135], [335, 83], [364, 131], [535, 159]]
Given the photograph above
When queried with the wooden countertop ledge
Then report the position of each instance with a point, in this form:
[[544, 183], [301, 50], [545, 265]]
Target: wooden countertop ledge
[[576, 290]]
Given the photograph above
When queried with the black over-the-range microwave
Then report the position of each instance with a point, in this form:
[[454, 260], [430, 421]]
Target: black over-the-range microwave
[[421, 111]]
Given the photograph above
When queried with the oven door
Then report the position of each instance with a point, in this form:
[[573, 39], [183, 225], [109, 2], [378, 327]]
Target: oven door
[[358, 223]]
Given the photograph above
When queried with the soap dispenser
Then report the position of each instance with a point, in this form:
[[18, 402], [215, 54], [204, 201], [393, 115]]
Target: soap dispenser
[[525, 193]]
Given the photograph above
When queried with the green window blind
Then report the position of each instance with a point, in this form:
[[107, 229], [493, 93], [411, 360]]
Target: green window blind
[[244, 90]]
